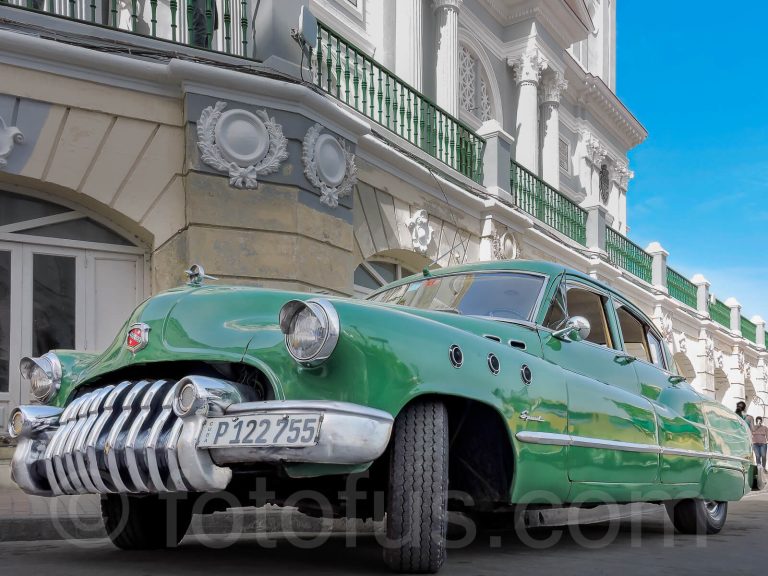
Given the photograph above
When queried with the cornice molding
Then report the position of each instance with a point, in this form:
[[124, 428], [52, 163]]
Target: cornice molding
[[590, 92], [563, 24]]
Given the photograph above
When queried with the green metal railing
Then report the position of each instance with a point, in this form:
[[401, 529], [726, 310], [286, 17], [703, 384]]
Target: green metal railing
[[348, 73], [628, 255], [720, 313], [537, 198], [219, 25], [748, 330], [680, 288]]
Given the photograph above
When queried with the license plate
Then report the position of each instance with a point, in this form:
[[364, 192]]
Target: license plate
[[292, 430]]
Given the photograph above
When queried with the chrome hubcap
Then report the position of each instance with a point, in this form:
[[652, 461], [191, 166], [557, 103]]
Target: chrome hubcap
[[713, 508]]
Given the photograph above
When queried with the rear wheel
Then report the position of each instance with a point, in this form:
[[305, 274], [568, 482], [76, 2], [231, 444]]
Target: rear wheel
[[417, 515], [697, 516], [145, 522]]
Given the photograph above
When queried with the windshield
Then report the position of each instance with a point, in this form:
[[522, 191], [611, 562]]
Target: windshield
[[503, 295]]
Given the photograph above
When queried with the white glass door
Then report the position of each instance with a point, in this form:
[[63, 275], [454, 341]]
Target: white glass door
[[10, 323]]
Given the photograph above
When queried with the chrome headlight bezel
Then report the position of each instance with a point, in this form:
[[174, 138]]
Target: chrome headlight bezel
[[326, 315], [48, 366]]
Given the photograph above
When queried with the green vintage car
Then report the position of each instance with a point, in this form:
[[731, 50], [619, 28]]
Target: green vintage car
[[509, 383]]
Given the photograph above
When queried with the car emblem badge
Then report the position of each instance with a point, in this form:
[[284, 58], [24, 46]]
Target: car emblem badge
[[528, 418], [137, 337]]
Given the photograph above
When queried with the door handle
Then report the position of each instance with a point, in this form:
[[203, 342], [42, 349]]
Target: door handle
[[624, 359]]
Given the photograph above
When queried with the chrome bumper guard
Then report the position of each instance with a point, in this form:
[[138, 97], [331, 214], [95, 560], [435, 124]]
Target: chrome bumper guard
[[128, 439]]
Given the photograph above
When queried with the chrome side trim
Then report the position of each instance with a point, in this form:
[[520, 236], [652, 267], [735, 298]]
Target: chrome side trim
[[549, 438], [555, 439], [580, 441]]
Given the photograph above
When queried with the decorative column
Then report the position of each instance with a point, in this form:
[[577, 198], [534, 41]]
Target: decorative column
[[447, 61], [408, 41], [737, 389], [552, 87], [702, 294], [705, 364], [621, 177], [528, 67], [594, 157]]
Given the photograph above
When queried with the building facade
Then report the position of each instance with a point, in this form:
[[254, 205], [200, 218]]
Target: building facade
[[137, 138]]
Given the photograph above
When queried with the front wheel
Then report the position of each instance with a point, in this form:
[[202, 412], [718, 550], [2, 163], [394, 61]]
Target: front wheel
[[417, 503], [145, 522], [697, 516]]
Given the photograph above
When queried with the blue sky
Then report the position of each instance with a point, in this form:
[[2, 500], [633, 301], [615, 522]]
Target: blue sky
[[696, 79]]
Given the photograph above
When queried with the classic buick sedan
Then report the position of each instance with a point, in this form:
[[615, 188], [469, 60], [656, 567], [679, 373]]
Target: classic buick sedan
[[512, 383]]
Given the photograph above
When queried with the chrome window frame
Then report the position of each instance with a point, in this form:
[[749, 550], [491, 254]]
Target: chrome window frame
[[575, 280], [651, 326]]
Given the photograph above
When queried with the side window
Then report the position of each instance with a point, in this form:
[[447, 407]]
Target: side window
[[639, 339], [591, 305]]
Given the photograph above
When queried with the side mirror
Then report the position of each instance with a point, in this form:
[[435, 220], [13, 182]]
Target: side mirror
[[576, 329], [675, 380]]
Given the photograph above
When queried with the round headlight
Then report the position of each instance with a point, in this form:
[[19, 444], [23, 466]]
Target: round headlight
[[16, 424], [44, 375], [311, 330]]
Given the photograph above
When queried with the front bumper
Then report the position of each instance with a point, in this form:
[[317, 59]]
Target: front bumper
[[127, 439]]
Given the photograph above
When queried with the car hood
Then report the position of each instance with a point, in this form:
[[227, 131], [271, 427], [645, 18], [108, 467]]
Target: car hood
[[223, 323]]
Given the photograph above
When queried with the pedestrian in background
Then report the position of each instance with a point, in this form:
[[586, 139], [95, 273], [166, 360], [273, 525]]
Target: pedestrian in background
[[760, 442], [741, 409]]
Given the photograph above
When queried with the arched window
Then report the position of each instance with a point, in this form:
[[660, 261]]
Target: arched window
[[66, 281], [475, 88]]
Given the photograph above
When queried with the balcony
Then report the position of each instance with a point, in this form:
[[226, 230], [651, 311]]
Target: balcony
[[339, 68], [535, 197], [346, 72], [681, 289], [217, 25]]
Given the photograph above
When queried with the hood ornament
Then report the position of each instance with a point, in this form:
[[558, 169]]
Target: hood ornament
[[196, 274]]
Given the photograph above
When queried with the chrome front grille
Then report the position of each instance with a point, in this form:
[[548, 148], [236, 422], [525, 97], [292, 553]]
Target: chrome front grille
[[117, 439]]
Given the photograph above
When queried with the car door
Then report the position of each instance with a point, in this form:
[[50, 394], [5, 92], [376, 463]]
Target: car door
[[611, 425], [682, 427]]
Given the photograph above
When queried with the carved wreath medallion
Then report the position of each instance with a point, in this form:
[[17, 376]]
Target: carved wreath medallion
[[421, 231], [243, 144], [328, 165], [10, 136]]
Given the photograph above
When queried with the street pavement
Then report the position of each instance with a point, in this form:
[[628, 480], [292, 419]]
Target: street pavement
[[644, 543]]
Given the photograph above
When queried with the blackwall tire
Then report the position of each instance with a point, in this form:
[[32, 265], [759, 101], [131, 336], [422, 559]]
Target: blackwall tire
[[145, 522], [697, 516], [417, 515]]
